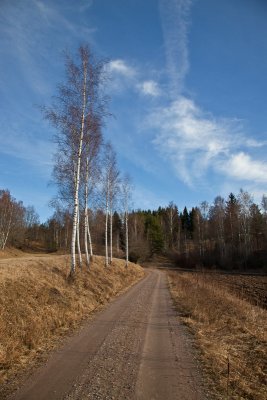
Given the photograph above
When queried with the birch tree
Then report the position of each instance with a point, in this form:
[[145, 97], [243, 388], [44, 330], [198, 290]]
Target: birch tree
[[110, 181], [91, 174], [245, 201], [12, 220], [232, 226], [77, 108], [126, 189], [6, 216], [32, 222], [171, 222], [217, 219], [113, 193]]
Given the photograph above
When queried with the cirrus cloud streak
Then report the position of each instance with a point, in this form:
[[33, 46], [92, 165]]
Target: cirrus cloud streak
[[196, 143]]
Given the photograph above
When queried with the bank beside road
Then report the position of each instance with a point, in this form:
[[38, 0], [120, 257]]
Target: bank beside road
[[39, 306]]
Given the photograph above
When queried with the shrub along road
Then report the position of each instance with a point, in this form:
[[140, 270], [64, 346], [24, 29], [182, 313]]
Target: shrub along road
[[134, 349]]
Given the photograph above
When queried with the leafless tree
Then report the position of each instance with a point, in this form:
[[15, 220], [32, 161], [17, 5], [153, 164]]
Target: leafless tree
[[110, 184], [126, 191], [171, 222], [6, 216], [245, 201], [12, 219], [77, 109], [264, 204], [32, 222], [90, 173], [217, 218]]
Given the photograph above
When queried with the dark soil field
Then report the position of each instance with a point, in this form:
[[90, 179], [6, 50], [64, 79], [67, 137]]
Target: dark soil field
[[251, 288]]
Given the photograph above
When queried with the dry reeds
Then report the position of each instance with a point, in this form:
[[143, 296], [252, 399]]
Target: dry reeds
[[38, 304], [229, 330]]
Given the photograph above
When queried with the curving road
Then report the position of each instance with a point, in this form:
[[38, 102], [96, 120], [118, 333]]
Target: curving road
[[134, 349]]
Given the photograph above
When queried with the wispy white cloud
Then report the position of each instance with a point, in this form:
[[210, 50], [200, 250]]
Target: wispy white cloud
[[36, 151], [85, 5], [123, 76], [188, 138], [121, 67], [126, 76], [27, 30], [150, 88], [63, 18], [196, 142], [175, 21], [242, 167], [255, 143]]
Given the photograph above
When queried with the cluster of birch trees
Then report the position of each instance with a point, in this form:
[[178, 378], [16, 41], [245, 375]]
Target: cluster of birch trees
[[17, 223], [84, 165]]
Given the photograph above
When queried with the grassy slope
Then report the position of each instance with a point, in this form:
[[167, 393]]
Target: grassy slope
[[226, 327], [38, 304]]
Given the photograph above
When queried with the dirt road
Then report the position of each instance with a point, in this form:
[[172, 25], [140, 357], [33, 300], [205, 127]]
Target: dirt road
[[134, 349]]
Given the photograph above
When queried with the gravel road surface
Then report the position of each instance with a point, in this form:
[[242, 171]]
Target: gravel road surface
[[134, 349]]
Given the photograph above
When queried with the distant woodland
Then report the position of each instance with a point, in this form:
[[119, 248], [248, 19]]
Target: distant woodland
[[227, 234]]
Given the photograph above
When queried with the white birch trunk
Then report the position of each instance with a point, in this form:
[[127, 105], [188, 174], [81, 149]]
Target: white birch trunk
[[8, 229], [110, 232], [127, 238], [106, 235], [86, 214], [126, 197], [86, 245], [78, 241], [89, 237], [77, 180], [106, 227]]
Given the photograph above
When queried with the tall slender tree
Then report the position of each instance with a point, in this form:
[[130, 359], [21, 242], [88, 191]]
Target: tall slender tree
[[110, 181], [90, 172], [12, 219], [126, 191], [77, 109], [245, 202]]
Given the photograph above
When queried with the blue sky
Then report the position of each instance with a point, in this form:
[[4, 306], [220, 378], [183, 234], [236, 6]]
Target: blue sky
[[188, 93]]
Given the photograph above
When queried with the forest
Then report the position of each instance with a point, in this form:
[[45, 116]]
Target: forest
[[227, 234]]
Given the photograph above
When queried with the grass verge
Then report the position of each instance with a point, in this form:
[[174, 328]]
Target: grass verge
[[229, 331], [39, 304]]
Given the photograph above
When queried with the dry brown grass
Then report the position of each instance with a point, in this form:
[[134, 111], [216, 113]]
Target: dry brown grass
[[226, 327], [38, 304], [11, 252]]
